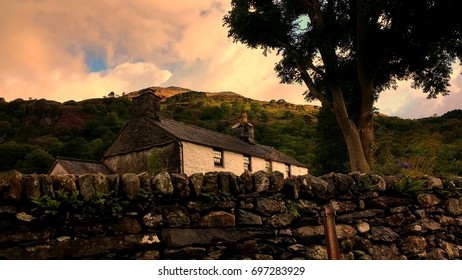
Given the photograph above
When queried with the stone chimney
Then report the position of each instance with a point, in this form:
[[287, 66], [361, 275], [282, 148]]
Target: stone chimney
[[244, 130], [146, 104]]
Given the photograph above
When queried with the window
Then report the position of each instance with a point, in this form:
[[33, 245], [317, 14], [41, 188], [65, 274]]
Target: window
[[247, 165], [268, 166], [218, 157], [288, 174]]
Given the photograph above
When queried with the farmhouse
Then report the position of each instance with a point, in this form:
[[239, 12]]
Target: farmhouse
[[148, 138]]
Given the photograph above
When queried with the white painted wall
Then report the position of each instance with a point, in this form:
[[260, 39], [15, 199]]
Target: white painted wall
[[199, 159]]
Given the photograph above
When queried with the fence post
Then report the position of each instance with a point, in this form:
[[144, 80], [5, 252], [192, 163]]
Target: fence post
[[328, 220]]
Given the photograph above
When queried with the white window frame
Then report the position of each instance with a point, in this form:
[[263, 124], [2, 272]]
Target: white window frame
[[218, 160]]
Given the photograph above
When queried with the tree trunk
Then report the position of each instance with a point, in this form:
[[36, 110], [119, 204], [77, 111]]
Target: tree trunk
[[366, 122], [356, 153]]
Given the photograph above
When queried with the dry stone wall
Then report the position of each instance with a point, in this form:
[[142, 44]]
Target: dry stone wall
[[219, 215]]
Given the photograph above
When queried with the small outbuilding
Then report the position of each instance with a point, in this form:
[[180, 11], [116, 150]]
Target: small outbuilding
[[77, 167]]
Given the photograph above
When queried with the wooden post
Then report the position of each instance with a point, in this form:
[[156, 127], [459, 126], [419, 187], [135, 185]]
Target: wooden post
[[328, 220]]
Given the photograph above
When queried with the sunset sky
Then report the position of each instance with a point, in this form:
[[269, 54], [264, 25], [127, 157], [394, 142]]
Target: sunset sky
[[74, 50]]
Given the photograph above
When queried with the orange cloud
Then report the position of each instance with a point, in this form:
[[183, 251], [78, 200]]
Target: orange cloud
[[46, 46]]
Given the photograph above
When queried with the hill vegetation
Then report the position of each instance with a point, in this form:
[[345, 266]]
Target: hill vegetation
[[34, 132]]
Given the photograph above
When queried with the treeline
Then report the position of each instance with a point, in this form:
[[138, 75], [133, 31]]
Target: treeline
[[34, 132]]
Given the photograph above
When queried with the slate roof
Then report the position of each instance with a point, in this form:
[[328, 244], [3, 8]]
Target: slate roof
[[144, 133], [79, 166]]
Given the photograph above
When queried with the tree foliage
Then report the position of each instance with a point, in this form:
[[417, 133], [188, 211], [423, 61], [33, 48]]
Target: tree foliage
[[348, 51]]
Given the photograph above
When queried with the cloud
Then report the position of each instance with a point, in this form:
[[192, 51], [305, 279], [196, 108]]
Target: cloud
[[408, 102], [54, 50], [77, 86]]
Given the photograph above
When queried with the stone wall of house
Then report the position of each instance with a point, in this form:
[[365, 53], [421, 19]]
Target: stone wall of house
[[219, 215]]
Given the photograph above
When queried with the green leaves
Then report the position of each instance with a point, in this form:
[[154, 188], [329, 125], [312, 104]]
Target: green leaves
[[64, 202]]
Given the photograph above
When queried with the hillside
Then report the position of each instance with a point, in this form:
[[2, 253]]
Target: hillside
[[34, 132]]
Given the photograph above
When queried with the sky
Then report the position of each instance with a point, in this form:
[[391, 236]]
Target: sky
[[74, 50]]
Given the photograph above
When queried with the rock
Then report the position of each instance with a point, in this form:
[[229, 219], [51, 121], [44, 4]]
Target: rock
[[23, 216], [163, 184], [363, 227], [130, 185], [223, 181], [316, 252], [8, 209], [269, 206], [306, 207], [11, 187], [343, 206], [127, 225], [433, 183], [292, 187], [246, 247], [345, 184], [114, 184], [32, 185], [150, 220], [395, 220], [309, 233], [429, 225], [260, 181], [315, 187], [188, 237], [262, 257], [447, 221], [247, 218], [297, 248], [276, 181], [86, 186], [217, 219], [186, 253], [437, 254], [64, 182], [413, 245], [361, 243], [454, 206], [428, 200], [345, 231], [149, 239], [384, 252], [180, 186], [47, 185], [63, 238], [101, 183], [379, 182], [173, 215], [388, 202], [146, 181], [210, 183], [234, 188], [451, 250], [381, 233], [280, 220], [196, 181], [361, 215], [246, 184], [148, 255]]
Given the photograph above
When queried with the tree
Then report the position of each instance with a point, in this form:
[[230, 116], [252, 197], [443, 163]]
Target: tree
[[347, 51]]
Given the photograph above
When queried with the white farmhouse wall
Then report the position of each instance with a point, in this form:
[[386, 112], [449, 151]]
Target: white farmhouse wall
[[257, 164], [199, 159], [297, 170]]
